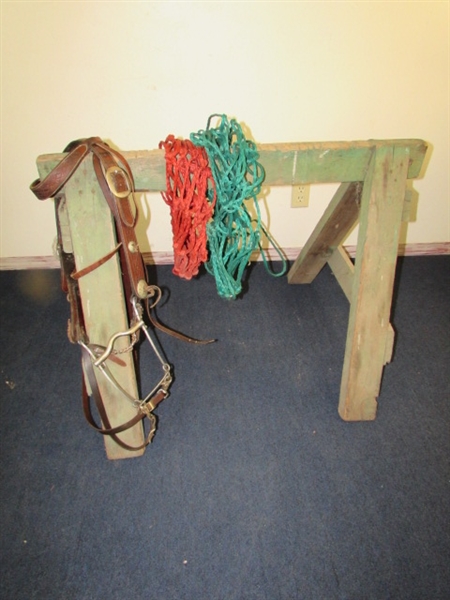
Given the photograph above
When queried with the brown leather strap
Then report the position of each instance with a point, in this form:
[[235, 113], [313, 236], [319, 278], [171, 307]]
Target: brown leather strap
[[50, 186], [98, 263], [172, 332], [106, 162]]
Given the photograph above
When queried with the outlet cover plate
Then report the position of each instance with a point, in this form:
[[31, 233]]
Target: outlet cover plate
[[300, 196]]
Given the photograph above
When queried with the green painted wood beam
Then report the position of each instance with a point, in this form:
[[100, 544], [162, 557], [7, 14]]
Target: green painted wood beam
[[285, 164]]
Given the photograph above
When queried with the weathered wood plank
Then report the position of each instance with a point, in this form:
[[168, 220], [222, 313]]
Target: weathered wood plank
[[329, 162], [340, 216], [285, 164], [407, 204], [64, 226], [93, 236], [343, 270], [376, 257]]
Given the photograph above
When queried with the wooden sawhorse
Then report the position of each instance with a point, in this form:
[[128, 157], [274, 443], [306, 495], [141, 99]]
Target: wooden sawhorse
[[373, 176]]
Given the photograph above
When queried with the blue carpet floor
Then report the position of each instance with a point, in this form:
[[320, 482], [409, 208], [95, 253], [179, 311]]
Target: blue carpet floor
[[253, 487]]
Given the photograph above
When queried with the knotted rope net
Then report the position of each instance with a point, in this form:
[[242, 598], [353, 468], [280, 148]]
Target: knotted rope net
[[190, 194], [233, 235]]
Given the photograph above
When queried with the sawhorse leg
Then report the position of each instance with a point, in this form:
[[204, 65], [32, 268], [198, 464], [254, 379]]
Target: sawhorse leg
[[89, 222], [369, 285]]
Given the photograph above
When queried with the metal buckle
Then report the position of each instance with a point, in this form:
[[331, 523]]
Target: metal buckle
[[118, 181], [147, 406]]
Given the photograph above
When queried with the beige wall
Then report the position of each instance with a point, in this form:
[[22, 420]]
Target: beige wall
[[133, 72]]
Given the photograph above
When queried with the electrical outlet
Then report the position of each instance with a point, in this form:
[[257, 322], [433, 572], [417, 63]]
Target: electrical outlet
[[300, 196]]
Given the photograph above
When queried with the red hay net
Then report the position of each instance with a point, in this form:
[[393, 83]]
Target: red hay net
[[188, 180]]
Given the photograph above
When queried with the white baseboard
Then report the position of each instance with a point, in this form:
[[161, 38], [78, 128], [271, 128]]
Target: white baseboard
[[166, 258]]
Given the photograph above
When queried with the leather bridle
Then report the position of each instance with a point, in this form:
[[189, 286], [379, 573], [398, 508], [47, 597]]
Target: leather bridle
[[115, 178]]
